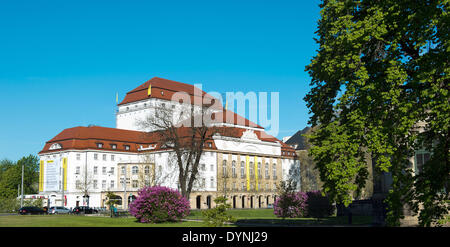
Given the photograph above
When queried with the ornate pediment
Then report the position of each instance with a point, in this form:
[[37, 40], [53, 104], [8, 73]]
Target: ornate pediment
[[55, 146], [249, 135]]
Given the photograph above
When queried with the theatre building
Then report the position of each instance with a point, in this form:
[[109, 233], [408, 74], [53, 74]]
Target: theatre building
[[83, 164]]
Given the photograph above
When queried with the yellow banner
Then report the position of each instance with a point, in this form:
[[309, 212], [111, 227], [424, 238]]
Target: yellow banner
[[65, 172], [41, 176], [256, 173], [248, 172], [149, 90]]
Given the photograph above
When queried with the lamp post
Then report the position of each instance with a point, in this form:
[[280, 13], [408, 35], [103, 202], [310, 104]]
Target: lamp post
[[21, 195]]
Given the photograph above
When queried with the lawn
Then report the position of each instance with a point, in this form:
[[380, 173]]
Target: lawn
[[80, 221], [266, 217], [244, 217]]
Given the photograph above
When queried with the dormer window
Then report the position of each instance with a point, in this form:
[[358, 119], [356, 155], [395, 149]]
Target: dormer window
[[55, 146], [162, 92], [113, 146], [99, 145], [127, 147]]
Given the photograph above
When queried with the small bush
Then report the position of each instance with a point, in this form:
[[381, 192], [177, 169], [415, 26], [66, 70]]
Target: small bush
[[9, 205], [319, 206], [159, 204], [291, 205], [217, 217]]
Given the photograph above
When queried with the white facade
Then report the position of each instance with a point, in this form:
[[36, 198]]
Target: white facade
[[96, 172]]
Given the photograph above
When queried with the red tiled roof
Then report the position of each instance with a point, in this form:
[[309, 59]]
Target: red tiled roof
[[82, 138], [221, 116], [88, 137], [168, 87], [230, 117]]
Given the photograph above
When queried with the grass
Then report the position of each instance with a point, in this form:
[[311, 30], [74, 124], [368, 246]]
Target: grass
[[240, 214], [81, 221], [244, 217], [266, 217]]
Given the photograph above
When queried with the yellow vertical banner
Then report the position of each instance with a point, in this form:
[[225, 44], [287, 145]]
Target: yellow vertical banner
[[41, 176], [65, 172], [248, 172], [149, 90], [256, 173]]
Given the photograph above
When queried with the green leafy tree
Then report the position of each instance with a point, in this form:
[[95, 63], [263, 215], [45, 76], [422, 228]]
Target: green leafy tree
[[380, 83], [11, 176], [217, 216], [113, 200]]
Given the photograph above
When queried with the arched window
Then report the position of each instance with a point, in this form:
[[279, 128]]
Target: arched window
[[135, 170], [267, 170], [242, 169], [224, 168], [252, 169], [259, 170], [123, 170], [274, 169]]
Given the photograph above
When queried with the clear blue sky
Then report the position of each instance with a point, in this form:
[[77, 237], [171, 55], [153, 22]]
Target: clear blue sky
[[62, 62]]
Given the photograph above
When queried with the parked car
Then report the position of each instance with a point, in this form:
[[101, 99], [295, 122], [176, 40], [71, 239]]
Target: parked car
[[31, 210], [59, 210], [84, 210]]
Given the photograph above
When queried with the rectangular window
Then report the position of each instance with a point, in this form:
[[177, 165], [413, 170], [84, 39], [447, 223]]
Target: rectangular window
[[77, 170], [104, 157], [95, 170], [103, 184], [112, 184], [421, 159], [135, 183], [112, 157], [104, 170], [78, 156], [95, 184], [95, 156], [112, 171]]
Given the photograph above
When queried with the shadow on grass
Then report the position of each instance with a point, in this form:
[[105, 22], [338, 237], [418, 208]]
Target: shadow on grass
[[304, 222]]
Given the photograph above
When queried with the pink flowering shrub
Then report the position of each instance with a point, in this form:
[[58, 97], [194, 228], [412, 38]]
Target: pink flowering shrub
[[159, 204], [291, 205]]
